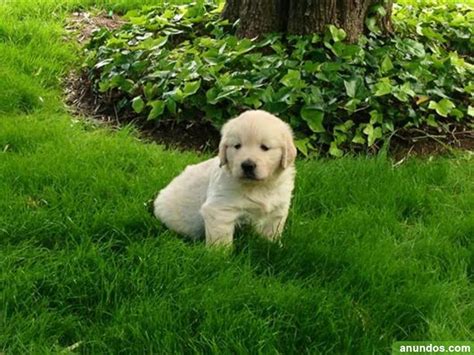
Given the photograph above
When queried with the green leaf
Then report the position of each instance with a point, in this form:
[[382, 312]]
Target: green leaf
[[138, 104], [371, 23], [352, 50], [171, 105], [226, 92], [302, 145], [157, 108], [153, 43], [177, 95], [470, 111], [429, 33], [375, 117], [351, 105], [213, 113], [212, 56], [119, 81], [191, 87], [443, 107], [406, 88], [243, 46], [402, 92], [344, 127], [290, 78], [310, 67], [358, 138], [431, 121], [103, 63], [355, 88], [372, 134], [314, 118], [337, 34], [253, 101], [149, 90], [457, 114], [386, 65], [335, 151], [380, 10], [412, 47], [383, 87], [351, 87], [388, 126], [469, 88], [344, 50], [211, 95], [141, 20]]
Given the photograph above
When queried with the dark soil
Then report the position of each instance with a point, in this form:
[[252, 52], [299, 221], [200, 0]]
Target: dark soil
[[83, 24], [428, 141], [197, 135], [200, 135]]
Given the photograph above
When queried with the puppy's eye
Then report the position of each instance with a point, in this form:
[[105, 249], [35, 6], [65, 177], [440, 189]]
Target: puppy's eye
[[264, 147], [237, 146]]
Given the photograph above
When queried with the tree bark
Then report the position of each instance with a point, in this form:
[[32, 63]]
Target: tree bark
[[257, 16], [385, 23], [262, 16], [303, 16], [231, 10], [346, 14]]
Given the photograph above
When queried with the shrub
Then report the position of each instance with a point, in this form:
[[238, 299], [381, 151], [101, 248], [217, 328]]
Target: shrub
[[185, 62]]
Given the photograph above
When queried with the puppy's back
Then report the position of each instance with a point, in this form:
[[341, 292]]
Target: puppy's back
[[178, 204]]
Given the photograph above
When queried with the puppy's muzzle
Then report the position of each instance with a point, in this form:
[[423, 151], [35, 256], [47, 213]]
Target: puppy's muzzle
[[248, 167]]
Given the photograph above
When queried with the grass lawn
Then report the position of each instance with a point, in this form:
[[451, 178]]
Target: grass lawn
[[372, 254]]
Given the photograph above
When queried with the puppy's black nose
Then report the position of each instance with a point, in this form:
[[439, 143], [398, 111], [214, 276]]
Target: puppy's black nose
[[248, 167]]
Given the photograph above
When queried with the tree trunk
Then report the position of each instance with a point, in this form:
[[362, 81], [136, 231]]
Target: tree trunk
[[385, 22], [231, 10], [346, 14], [262, 16], [303, 16]]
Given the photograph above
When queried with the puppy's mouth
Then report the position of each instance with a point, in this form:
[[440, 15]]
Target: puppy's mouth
[[249, 175], [250, 178]]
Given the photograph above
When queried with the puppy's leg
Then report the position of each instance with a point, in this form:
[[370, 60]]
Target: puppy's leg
[[219, 223], [272, 226]]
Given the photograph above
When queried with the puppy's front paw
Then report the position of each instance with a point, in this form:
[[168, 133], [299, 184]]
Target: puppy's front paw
[[224, 249], [272, 229], [221, 243]]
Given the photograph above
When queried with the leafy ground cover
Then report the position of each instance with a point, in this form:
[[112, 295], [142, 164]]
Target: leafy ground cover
[[185, 62], [373, 252]]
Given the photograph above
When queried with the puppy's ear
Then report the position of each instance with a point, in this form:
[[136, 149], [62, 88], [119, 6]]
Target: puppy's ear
[[222, 153], [289, 149], [223, 145]]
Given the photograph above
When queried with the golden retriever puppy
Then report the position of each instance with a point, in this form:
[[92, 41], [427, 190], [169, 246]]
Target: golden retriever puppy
[[251, 181]]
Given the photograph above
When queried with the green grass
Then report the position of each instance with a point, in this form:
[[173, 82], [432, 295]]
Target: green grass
[[372, 253]]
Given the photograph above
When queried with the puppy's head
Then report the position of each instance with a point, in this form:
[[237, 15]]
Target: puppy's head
[[256, 145]]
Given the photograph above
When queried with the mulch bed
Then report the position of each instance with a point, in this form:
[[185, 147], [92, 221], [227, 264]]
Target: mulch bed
[[201, 135], [82, 24]]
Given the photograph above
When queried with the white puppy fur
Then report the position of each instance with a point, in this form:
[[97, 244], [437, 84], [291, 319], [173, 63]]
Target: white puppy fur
[[251, 181]]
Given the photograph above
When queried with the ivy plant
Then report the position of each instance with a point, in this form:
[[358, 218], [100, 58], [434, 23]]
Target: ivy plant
[[184, 62]]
